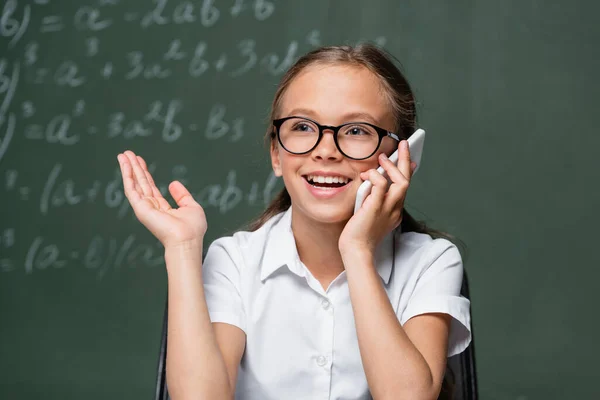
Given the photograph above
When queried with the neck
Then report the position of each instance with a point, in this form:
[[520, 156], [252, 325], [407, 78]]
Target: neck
[[317, 245]]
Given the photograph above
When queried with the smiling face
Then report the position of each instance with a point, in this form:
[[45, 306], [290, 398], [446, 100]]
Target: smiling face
[[330, 95]]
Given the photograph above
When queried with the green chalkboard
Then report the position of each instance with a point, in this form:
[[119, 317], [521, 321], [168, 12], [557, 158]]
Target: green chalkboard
[[508, 94]]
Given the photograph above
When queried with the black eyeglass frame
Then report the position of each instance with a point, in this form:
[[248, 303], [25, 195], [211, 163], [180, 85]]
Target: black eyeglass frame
[[380, 131]]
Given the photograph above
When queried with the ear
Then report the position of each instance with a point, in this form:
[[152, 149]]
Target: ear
[[275, 161]]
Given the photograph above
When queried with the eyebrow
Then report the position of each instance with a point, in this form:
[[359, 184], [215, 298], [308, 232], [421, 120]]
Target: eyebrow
[[350, 117]]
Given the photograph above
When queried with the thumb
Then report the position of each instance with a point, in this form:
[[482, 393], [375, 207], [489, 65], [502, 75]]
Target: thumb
[[182, 196]]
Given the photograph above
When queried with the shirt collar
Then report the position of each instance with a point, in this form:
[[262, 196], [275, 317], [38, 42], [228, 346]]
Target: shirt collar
[[281, 250], [281, 247]]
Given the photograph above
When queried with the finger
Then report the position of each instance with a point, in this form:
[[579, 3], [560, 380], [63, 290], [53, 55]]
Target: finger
[[155, 190], [404, 159], [140, 176], [398, 218], [397, 191], [393, 171], [130, 187], [182, 196], [380, 186], [163, 203]]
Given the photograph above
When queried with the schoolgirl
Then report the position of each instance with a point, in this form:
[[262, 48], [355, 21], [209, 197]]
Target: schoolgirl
[[314, 301]]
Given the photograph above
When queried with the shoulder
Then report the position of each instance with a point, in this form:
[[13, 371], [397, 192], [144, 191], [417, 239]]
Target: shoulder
[[430, 275], [424, 246], [417, 252]]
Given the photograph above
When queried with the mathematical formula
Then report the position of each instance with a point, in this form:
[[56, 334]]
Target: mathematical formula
[[70, 80], [100, 255], [60, 190]]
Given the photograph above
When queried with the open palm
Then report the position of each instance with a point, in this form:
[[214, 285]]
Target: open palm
[[172, 226]]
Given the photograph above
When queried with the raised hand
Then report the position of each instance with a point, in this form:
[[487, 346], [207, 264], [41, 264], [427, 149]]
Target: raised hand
[[172, 226]]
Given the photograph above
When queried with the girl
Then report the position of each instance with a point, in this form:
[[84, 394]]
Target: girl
[[313, 301]]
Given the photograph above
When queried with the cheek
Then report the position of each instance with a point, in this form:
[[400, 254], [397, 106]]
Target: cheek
[[373, 162], [288, 163], [387, 147], [365, 165]]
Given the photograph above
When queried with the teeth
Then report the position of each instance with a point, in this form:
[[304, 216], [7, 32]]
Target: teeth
[[327, 179]]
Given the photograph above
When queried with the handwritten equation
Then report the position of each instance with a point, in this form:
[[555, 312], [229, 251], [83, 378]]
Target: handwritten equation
[[103, 254], [61, 190], [99, 256], [160, 120], [82, 81]]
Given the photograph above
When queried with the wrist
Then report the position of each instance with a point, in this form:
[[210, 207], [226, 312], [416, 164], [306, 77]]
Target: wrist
[[184, 250], [356, 254], [355, 249]]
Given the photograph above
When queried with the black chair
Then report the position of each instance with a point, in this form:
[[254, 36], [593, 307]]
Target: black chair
[[461, 372], [161, 392], [460, 369]]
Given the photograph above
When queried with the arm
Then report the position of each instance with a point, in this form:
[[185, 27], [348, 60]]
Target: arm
[[202, 360], [400, 362]]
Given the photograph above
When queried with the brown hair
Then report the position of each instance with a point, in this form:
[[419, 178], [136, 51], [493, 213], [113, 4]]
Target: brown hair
[[400, 97]]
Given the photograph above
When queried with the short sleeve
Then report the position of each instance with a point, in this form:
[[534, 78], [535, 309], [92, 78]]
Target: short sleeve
[[438, 291], [222, 283]]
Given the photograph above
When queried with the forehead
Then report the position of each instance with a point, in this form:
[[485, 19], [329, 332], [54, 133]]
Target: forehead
[[332, 93]]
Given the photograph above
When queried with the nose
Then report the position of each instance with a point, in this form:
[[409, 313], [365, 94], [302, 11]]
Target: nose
[[326, 149]]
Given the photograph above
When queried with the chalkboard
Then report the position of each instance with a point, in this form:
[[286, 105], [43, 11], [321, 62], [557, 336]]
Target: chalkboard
[[508, 94]]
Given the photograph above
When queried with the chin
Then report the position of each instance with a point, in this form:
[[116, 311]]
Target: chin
[[329, 214]]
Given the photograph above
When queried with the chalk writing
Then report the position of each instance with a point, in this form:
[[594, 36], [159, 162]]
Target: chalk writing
[[56, 131], [52, 23], [8, 133], [8, 84], [83, 81], [7, 240], [10, 24], [60, 189], [31, 53], [160, 119], [217, 127], [88, 18], [99, 256], [200, 58]]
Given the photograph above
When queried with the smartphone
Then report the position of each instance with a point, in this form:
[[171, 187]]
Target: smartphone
[[415, 146]]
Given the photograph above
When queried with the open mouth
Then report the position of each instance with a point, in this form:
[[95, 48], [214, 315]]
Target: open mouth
[[327, 182]]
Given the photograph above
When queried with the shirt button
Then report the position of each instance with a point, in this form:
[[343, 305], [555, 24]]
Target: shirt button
[[321, 361], [325, 304]]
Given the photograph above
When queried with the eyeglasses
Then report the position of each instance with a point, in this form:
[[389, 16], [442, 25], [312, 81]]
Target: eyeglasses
[[355, 140]]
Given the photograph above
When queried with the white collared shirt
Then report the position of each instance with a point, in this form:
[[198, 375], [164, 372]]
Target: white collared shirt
[[301, 340]]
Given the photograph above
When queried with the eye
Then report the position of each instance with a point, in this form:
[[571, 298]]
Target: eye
[[359, 130], [303, 126]]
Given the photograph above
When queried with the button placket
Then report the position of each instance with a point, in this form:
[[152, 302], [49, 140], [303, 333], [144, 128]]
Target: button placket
[[323, 359]]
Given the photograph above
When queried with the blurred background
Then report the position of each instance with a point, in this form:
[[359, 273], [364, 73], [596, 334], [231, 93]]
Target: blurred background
[[508, 95]]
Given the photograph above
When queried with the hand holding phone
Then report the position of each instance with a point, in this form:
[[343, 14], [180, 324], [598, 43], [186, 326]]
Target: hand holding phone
[[415, 146]]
